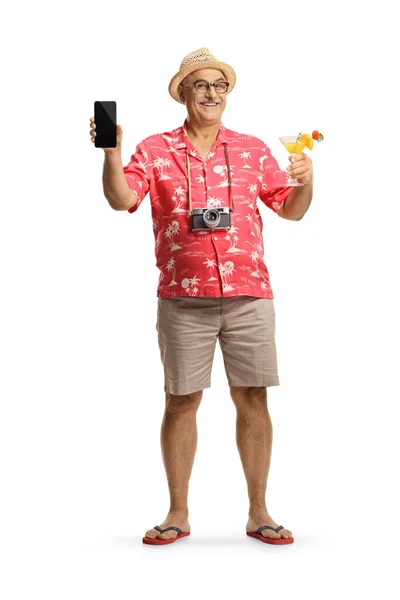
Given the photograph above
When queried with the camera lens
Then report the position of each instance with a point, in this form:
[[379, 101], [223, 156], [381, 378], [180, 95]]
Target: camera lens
[[211, 217]]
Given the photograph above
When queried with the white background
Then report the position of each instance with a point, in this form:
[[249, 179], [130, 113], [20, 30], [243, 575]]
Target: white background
[[81, 378]]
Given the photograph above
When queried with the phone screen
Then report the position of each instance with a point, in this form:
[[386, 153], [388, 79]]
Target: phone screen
[[105, 117]]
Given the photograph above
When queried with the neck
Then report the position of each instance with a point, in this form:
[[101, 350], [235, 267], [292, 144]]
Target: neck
[[204, 133]]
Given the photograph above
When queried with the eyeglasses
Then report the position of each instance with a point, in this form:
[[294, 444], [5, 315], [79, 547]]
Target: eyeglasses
[[202, 86]]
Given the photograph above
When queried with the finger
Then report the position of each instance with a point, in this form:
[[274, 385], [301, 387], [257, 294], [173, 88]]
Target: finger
[[303, 164], [93, 125], [300, 164], [297, 171], [93, 133], [300, 159]]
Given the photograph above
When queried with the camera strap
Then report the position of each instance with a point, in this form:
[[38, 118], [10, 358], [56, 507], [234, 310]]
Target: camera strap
[[231, 201]]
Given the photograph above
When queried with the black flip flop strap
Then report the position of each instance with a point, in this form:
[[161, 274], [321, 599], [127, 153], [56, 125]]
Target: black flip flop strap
[[260, 529], [167, 528]]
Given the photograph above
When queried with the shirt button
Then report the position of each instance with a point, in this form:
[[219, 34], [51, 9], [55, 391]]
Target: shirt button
[[215, 238]]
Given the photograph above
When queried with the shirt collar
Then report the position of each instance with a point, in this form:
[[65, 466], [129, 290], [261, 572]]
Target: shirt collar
[[183, 140]]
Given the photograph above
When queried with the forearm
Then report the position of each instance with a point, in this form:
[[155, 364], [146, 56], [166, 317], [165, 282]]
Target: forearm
[[298, 202], [119, 195]]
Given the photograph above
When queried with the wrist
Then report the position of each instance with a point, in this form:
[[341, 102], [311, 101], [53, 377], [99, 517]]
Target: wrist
[[112, 153]]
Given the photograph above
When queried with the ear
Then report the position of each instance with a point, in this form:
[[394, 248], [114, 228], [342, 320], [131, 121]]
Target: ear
[[180, 93]]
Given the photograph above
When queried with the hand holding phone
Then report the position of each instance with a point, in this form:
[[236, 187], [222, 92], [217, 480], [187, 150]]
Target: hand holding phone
[[105, 133]]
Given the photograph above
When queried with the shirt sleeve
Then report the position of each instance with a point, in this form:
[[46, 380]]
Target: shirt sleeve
[[274, 190], [136, 176]]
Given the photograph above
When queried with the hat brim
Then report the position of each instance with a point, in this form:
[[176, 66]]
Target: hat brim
[[227, 70]]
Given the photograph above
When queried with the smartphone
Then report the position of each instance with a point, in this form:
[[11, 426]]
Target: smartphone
[[105, 117]]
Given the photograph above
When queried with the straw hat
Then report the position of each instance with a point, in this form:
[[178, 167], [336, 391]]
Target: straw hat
[[200, 59]]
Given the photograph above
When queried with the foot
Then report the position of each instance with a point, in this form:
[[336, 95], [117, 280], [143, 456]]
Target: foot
[[258, 519], [175, 519]]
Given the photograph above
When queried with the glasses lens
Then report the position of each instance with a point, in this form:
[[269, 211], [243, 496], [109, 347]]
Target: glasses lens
[[221, 87], [201, 86]]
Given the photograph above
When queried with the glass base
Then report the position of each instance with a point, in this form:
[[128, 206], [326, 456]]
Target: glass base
[[291, 181]]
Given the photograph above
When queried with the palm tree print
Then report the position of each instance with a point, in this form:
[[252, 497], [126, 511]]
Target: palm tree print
[[170, 233], [226, 270], [193, 284], [245, 156], [171, 267], [254, 257], [160, 163], [223, 171], [178, 197], [210, 265], [252, 187], [146, 160], [190, 285], [233, 239], [256, 226], [214, 202]]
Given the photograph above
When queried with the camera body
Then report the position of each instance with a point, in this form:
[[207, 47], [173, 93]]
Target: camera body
[[208, 219]]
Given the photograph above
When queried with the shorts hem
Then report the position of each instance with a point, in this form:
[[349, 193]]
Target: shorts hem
[[269, 383], [187, 389]]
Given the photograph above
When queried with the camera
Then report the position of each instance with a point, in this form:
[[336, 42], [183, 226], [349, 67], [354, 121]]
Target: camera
[[211, 218]]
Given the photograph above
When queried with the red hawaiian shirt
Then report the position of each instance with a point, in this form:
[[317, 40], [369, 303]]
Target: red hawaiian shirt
[[218, 262]]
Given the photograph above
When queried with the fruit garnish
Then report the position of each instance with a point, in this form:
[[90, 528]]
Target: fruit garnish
[[317, 136], [307, 140]]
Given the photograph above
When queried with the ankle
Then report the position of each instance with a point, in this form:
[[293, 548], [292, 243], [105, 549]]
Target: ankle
[[182, 513], [258, 509]]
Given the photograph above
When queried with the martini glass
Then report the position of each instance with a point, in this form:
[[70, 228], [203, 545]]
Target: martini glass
[[292, 145]]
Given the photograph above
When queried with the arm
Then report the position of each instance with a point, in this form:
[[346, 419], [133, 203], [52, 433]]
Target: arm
[[274, 192], [119, 195], [297, 203], [299, 199]]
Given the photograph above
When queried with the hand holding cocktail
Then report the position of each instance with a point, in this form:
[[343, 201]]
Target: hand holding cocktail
[[301, 166]]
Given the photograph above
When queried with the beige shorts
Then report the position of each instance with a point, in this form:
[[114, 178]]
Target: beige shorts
[[188, 329]]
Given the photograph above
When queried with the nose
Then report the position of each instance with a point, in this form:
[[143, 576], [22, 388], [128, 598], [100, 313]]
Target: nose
[[212, 93]]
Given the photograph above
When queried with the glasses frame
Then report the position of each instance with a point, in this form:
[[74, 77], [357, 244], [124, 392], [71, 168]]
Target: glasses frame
[[210, 85]]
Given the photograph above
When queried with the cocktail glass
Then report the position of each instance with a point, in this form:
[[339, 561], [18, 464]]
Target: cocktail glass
[[292, 145]]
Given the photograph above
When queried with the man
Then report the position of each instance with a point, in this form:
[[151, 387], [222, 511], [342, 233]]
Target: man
[[213, 281]]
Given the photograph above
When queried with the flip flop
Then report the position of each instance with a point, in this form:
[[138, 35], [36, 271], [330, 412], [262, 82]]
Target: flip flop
[[158, 542], [257, 534]]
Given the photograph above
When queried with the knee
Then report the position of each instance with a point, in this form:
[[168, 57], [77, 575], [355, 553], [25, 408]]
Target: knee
[[184, 403], [249, 398]]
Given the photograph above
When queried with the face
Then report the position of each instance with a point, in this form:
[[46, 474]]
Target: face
[[203, 107]]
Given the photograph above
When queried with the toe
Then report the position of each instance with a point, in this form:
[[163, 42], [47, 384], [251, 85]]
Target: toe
[[286, 533], [270, 534], [152, 534], [168, 534]]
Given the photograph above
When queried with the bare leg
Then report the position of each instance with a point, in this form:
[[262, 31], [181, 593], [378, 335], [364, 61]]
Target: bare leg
[[254, 442], [178, 445]]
